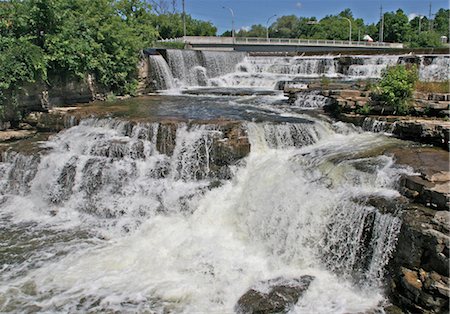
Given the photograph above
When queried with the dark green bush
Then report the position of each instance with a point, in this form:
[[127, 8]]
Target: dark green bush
[[396, 87]]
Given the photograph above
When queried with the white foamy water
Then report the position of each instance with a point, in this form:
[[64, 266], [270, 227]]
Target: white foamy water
[[154, 235], [189, 68], [436, 70]]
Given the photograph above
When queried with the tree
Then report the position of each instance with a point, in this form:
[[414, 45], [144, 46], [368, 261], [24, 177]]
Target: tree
[[441, 22], [426, 39], [396, 27], [255, 31], [419, 24], [171, 26], [285, 26]]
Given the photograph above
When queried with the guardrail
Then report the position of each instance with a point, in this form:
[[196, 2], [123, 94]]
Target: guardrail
[[193, 40]]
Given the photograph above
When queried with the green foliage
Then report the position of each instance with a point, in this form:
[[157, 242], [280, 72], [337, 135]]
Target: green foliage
[[255, 31], [78, 37], [426, 40], [171, 26], [396, 87], [396, 26], [325, 81], [365, 109], [21, 61], [170, 45], [441, 22]]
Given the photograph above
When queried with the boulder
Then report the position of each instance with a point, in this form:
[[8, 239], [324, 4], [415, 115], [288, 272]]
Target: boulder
[[273, 296]]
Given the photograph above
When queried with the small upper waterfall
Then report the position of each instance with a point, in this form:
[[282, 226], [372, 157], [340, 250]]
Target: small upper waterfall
[[189, 68], [195, 68], [436, 68], [371, 66], [160, 73]]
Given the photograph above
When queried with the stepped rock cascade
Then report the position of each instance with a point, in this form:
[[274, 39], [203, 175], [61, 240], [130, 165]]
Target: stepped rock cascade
[[191, 68], [438, 69]]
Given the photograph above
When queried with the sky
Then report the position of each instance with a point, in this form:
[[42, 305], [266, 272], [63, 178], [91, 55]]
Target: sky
[[249, 12]]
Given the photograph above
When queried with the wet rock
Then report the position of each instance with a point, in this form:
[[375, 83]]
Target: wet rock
[[15, 135], [166, 138], [273, 296], [47, 121], [419, 268], [426, 131]]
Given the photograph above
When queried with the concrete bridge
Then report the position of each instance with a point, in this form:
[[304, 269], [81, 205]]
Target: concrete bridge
[[254, 44]]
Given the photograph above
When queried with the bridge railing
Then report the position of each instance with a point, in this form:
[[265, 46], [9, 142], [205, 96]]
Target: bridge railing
[[280, 41]]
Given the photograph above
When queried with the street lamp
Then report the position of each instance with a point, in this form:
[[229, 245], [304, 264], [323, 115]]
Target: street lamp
[[267, 25], [350, 33], [184, 21], [232, 21]]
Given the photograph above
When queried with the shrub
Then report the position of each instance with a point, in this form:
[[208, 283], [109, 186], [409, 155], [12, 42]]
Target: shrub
[[364, 110], [396, 87]]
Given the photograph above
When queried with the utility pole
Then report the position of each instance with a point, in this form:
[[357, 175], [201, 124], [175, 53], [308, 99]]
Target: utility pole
[[430, 25], [184, 20], [381, 24], [429, 18]]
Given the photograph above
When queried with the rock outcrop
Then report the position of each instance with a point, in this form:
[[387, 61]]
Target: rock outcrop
[[419, 269], [273, 296]]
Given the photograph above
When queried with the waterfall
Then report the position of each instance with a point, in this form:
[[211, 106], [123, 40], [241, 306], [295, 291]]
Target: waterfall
[[375, 125], [184, 65], [371, 66], [235, 69], [436, 70], [194, 68], [137, 216], [310, 100], [159, 73]]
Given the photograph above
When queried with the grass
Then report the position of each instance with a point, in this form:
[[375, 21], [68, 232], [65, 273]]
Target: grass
[[433, 87]]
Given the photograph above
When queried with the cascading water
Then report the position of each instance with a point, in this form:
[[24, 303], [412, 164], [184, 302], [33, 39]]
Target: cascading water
[[132, 218], [195, 68], [310, 100], [438, 69], [235, 69], [370, 66], [184, 217], [160, 75]]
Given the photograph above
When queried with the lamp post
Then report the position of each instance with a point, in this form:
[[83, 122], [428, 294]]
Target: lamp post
[[267, 25], [184, 21], [350, 32], [232, 22]]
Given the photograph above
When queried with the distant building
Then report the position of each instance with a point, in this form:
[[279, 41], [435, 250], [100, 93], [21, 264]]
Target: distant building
[[444, 39], [367, 38]]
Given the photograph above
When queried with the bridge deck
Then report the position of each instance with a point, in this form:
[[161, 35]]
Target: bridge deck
[[202, 41]]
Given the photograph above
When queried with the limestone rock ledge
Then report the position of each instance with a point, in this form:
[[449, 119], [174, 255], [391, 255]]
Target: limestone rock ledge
[[419, 269], [418, 273]]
